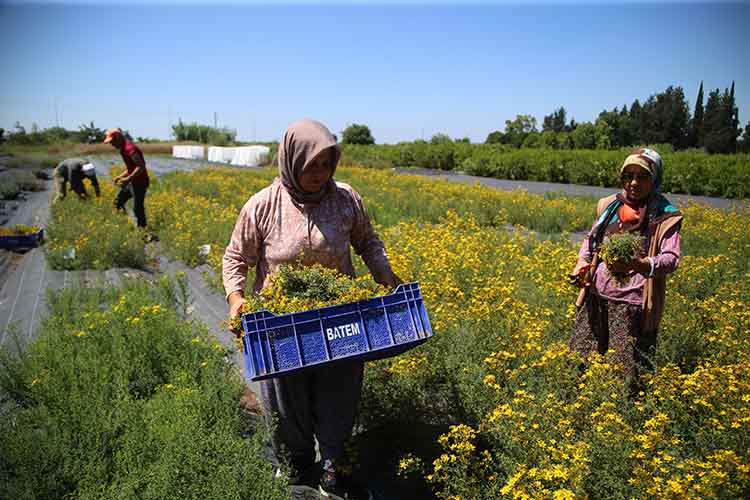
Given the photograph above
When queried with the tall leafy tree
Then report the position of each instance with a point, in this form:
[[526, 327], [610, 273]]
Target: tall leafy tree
[[665, 117], [584, 136], [556, 122], [618, 128], [745, 138], [720, 122], [357, 134], [495, 137], [90, 133], [603, 134], [547, 124], [516, 130], [440, 138], [648, 132], [714, 121]]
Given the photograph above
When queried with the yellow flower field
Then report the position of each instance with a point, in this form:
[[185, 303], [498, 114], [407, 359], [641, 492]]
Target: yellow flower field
[[92, 234], [523, 418]]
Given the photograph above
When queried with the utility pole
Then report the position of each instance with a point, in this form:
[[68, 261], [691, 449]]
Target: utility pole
[[214, 119], [57, 116]]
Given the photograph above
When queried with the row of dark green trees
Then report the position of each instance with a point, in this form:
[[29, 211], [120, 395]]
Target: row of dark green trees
[[664, 118], [90, 134], [86, 134]]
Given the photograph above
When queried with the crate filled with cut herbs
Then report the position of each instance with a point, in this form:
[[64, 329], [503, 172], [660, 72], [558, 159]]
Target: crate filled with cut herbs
[[21, 236], [310, 316]]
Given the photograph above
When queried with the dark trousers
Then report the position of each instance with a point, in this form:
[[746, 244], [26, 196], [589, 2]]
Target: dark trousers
[[138, 193], [320, 403]]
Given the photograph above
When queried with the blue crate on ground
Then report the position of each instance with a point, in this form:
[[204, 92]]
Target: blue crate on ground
[[18, 241], [365, 330]]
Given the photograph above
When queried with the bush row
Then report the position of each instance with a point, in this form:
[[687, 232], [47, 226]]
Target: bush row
[[12, 183], [691, 172]]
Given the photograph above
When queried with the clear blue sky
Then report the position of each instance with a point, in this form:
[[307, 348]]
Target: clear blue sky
[[406, 70]]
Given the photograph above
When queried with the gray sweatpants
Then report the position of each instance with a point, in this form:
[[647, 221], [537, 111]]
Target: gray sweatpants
[[320, 403]]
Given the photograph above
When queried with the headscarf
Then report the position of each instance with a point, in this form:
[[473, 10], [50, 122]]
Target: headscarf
[[301, 143], [649, 160]]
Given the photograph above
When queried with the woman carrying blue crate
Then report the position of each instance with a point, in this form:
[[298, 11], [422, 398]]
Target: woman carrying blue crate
[[305, 215]]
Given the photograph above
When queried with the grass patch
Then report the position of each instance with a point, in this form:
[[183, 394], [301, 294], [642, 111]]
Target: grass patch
[[13, 182]]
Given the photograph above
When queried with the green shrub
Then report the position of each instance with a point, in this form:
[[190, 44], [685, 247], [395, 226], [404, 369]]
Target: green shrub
[[120, 398], [14, 182], [90, 234]]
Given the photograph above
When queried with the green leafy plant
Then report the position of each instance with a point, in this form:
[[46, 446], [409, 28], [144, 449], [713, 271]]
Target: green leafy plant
[[121, 398], [621, 248]]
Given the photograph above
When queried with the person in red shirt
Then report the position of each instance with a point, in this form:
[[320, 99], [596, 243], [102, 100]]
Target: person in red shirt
[[134, 181]]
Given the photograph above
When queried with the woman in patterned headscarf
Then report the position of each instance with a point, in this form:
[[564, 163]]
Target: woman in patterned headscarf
[[304, 214], [624, 315]]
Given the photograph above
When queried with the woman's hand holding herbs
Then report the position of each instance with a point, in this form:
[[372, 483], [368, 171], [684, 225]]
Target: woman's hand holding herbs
[[639, 264]]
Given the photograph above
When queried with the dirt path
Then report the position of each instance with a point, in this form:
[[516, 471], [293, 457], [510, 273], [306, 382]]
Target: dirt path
[[569, 189]]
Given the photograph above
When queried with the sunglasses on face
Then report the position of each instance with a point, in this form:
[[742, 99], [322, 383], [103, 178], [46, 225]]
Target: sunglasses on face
[[629, 176]]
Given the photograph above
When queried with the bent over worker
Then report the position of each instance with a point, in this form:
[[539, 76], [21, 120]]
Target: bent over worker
[[305, 215], [74, 171], [134, 181]]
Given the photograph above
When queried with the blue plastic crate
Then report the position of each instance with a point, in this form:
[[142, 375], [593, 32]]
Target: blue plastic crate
[[365, 330], [16, 241]]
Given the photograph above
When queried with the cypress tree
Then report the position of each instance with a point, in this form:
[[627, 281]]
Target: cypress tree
[[735, 113], [696, 129], [635, 122], [555, 122]]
